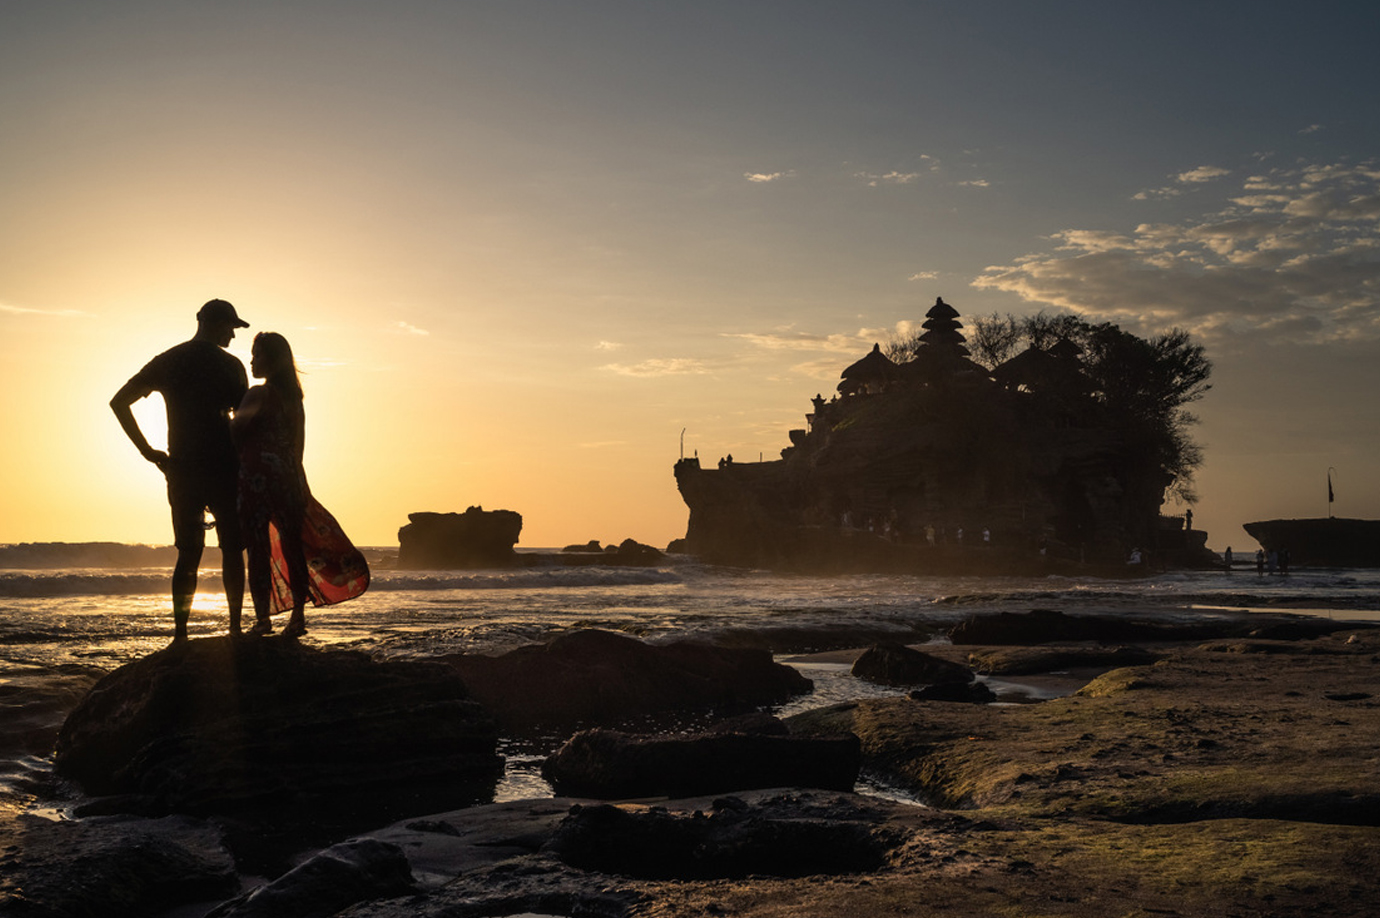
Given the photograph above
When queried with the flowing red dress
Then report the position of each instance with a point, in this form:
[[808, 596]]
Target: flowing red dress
[[273, 493]]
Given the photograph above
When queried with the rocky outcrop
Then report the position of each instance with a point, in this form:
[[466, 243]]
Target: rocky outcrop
[[266, 725], [476, 538], [1047, 626], [626, 553], [610, 765], [897, 664], [597, 678], [732, 842], [359, 870], [110, 867]]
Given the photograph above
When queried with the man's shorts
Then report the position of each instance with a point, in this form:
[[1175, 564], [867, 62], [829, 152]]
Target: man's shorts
[[194, 488]]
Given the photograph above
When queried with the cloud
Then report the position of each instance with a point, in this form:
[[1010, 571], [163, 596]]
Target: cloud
[[56, 313], [799, 341], [1291, 255], [1197, 176], [924, 275], [412, 329], [977, 183], [607, 346], [658, 366], [874, 179], [1311, 129], [761, 177], [1202, 174]]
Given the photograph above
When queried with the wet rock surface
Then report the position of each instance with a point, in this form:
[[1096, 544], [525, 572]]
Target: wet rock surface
[[896, 664], [734, 840], [597, 677], [1225, 776], [608, 764], [265, 727], [112, 866]]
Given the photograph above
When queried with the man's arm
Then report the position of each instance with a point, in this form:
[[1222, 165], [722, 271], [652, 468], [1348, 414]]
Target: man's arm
[[130, 393]]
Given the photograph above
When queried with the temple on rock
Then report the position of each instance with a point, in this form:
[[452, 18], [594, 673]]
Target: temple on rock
[[927, 461]]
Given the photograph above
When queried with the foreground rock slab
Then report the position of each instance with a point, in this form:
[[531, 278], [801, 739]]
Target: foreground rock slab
[[598, 678], [611, 765], [110, 867], [234, 727]]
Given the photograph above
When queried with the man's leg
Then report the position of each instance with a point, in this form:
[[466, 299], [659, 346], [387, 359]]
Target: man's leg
[[231, 542], [187, 504], [184, 588]]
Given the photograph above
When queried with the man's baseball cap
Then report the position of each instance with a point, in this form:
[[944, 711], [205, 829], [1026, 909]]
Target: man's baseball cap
[[220, 311]]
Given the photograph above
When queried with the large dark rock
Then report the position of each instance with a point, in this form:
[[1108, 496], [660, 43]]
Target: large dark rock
[[449, 541], [592, 678], [610, 765], [110, 866], [235, 727], [734, 841], [897, 664], [330, 881]]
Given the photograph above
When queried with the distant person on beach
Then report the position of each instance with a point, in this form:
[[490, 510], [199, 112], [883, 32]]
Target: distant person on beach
[[200, 384], [297, 551]]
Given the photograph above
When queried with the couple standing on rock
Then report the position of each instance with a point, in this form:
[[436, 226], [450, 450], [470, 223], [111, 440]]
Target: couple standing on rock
[[237, 452]]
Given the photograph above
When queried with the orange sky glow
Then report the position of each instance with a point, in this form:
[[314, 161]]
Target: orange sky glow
[[519, 248]]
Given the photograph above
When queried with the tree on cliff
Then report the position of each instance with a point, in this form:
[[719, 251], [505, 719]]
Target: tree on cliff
[[1137, 386]]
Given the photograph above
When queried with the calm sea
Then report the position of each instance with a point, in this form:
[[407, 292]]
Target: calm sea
[[54, 621]]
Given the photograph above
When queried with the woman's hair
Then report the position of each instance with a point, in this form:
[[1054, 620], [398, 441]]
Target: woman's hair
[[279, 369]]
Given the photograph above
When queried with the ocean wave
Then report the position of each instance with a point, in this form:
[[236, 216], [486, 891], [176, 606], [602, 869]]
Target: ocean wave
[[526, 579], [14, 585], [45, 584], [76, 555]]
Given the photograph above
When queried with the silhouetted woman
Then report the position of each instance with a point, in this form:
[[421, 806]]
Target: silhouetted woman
[[297, 551]]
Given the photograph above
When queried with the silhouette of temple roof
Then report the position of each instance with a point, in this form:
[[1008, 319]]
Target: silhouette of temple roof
[[932, 363], [876, 367], [1064, 349], [942, 327], [941, 310], [1057, 368], [1030, 367]]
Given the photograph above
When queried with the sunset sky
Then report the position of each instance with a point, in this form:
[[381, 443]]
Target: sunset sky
[[520, 246]]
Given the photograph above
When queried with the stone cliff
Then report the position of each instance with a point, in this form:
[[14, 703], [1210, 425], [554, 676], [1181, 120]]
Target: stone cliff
[[937, 464]]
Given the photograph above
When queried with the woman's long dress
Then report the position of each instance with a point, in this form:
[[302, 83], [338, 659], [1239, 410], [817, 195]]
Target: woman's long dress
[[273, 493]]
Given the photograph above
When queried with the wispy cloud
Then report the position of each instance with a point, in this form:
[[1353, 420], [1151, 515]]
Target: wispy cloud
[[1197, 176], [1311, 129], [924, 275], [874, 179], [762, 177], [977, 183], [607, 346], [56, 313], [798, 341], [1202, 174], [411, 329], [1294, 254], [658, 366]]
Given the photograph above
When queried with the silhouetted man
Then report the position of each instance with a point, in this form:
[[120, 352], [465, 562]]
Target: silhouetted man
[[201, 385]]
